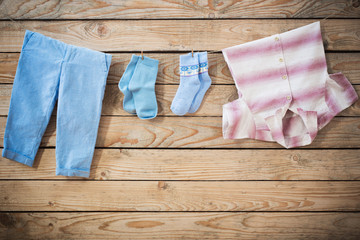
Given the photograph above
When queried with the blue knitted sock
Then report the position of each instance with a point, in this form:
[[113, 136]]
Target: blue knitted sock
[[189, 84], [142, 86], [128, 101], [205, 82]]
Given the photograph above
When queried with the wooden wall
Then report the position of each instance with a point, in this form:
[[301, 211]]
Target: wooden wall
[[176, 177]]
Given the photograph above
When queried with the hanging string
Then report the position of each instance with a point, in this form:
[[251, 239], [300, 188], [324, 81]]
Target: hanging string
[[353, 4], [17, 23], [345, 10], [321, 20]]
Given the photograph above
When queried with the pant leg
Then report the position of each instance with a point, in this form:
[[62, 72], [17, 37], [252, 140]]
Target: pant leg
[[81, 91], [33, 97]]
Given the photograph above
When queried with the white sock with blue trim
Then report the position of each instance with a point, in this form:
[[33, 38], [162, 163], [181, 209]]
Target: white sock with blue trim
[[189, 84], [205, 82]]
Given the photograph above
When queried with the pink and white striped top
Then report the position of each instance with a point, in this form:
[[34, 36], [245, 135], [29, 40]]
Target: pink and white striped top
[[285, 92]]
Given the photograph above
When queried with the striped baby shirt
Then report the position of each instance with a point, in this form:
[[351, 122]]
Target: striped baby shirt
[[285, 92]]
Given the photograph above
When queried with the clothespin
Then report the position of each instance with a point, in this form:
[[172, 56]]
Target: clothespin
[[142, 55], [192, 52]]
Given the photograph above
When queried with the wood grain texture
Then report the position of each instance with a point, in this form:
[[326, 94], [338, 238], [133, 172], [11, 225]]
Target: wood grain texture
[[148, 176], [179, 196], [215, 98], [51, 9], [196, 132], [168, 73], [212, 104], [173, 35], [166, 164], [115, 225], [348, 63]]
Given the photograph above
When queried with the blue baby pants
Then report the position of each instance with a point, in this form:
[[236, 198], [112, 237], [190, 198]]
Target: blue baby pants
[[49, 70]]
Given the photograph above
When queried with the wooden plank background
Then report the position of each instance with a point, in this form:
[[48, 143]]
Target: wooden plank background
[[174, 35], [176, 177], [165, 9]]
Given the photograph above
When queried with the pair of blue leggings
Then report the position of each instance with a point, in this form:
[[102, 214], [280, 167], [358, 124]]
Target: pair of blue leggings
[[48, 71]]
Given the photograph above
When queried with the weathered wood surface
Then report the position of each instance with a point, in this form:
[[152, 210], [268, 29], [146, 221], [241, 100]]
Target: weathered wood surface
[[173, 35], [166, 9], [196, 132], [348, 63], [211, 106], [277, 187], [165, 164], [216, 96], [168, 73], [180, 225], [180, 196]]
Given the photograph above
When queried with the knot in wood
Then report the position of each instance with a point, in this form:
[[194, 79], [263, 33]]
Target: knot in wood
[[355, 3], [162, 185], [296, 158], [102, 30], [97, 29]]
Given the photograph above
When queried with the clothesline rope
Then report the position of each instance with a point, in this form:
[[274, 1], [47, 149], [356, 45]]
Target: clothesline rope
[[321, 21], [22, 27]]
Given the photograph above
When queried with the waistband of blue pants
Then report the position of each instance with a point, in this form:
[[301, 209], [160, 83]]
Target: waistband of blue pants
[[65, 50]]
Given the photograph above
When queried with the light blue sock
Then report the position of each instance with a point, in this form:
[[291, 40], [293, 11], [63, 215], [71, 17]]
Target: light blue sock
[[189, 84], [205, 82], [128, 101], [142, 86]]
